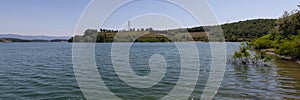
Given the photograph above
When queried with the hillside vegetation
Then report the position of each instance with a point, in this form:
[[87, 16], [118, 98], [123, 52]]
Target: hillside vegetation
[[238, 31], [284, 39], [243, 30]]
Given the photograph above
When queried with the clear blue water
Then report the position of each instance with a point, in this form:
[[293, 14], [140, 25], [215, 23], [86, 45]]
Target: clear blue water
[[45, 71]]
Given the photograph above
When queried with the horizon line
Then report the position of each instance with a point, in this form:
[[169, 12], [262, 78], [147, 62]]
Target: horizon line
[[247, 19]]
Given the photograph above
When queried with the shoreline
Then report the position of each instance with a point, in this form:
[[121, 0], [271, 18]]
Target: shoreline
[[271, 52]]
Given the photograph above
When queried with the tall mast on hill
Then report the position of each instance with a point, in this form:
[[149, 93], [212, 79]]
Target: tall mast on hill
[[129, 25]]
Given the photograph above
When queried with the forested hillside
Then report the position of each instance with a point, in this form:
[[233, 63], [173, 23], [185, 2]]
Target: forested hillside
[[248, 29], [244, 30]]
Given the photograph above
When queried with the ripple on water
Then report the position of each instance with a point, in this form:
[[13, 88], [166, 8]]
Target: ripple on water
[[45, 71]]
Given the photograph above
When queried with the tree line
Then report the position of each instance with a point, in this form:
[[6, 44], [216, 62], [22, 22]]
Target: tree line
[[238, 31]]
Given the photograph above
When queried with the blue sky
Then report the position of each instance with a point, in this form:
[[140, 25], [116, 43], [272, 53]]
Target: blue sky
[[59, 17]]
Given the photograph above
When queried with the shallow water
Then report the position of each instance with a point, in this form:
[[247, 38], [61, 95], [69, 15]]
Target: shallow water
[[45, 71]]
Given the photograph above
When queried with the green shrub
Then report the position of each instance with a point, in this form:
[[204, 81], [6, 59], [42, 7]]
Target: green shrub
[[290, 47], [264, 42], [243, 57]]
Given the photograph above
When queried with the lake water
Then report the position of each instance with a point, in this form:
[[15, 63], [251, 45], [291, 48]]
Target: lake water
[[45, 71]]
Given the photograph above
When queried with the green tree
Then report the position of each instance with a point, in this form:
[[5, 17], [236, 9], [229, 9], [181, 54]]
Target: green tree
[[90, 32]]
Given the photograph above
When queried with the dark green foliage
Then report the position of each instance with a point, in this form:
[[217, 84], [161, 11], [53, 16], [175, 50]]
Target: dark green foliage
[[289, 24], [196, 29], [71, 39], [248, 29], [243, 30]]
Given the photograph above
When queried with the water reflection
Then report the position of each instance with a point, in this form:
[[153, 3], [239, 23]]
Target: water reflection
[[289, 78], [278, 81]]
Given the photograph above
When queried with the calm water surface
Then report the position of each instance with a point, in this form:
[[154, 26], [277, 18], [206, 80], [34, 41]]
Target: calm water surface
[[45, 71]]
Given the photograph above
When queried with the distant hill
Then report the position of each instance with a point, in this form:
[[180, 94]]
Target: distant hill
[[238, 31], [244, 30], [249, 28], [39, 40], [40, 37]]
